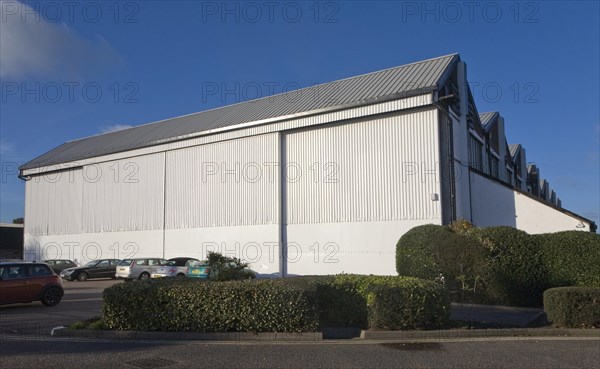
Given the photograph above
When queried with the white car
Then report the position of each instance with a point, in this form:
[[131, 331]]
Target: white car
[[141, 268], [175, 267]]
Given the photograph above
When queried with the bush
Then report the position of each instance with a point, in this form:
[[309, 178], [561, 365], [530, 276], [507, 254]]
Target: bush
[[515, 275], [573, 307], [226, 268], [414, 251], [436, 253], [409, 305], [299, 304], [572, 258], [200, 306], [347, 300]]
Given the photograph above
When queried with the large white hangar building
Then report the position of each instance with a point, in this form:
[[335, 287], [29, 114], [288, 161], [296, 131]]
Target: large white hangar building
[[321, 180]]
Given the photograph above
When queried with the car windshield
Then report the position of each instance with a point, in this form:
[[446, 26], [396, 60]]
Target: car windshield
[[195, 263], [91, 263], [125, 262]]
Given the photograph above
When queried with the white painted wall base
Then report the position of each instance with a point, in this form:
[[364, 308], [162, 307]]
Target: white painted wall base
[[89, 246], [258, 244], [358, 247]]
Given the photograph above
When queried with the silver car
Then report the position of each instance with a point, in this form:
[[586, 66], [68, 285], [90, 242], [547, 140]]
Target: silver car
[[175, 267], [141, 268]]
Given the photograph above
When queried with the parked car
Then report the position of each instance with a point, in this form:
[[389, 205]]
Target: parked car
[[102, 268], [198, 269], [59, 265], [175, 267], [141, 268], [201, 269], [27, 282]]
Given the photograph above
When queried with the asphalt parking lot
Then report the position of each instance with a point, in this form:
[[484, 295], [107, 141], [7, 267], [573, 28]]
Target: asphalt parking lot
[[82, 300]]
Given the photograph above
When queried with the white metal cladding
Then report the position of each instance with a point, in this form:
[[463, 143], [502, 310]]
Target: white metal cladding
[[377, 170], [249, 130], [230, 183], [53, 203], [124, 195]]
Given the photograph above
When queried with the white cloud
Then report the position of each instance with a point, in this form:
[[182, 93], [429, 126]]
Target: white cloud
[[114, 128], [30, 45]]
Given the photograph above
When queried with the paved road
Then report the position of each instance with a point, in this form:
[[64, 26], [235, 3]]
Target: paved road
[[577, 354], [25, 343], [82, 301]]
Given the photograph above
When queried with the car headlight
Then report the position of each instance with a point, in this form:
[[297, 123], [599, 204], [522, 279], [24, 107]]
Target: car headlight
[[67, 272]]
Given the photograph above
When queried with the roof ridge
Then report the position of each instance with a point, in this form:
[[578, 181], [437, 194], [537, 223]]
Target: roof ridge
[[269, 97]]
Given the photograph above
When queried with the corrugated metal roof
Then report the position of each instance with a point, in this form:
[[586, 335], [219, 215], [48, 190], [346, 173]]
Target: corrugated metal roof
[[514, 150], [403, 81], [488, 118]]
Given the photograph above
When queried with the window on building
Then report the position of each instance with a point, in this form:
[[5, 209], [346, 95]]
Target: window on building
[[509, 176], [494, 162], [475, 153]]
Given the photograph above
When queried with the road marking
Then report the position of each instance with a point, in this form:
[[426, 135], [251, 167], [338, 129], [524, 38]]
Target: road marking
[[60, 327]]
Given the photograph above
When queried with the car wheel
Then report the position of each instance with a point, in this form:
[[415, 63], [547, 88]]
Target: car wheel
[[52, 296], [83, 277], [144, 275], [181, 275]]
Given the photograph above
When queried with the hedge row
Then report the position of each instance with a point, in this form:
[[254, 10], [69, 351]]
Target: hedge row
[[195, 305], [572, 258], [573, 307], [499, 265], [284, 305], [360, 300]]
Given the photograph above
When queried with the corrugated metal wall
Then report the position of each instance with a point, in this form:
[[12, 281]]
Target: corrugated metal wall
[[228, 183], [378, 170], [53, 203], [124, 195]]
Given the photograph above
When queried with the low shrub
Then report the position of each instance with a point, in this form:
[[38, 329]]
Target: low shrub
[[200, 306], [227, 268], [300, 304], [347, 300], [408, 305], [414, 251], [516, 274], [572, 258], [435, 252], [573, 307]]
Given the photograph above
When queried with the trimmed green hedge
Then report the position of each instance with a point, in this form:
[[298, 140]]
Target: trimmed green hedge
[[414, 251], [437, 253], [499, 265], [410, 305], [194, 305], [571, 257], [346, 300], [516, 274], [573, 307], [301, 304]]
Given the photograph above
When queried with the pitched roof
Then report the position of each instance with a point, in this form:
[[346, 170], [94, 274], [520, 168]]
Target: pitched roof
[[487, 119], [403, 81], [514, 150]]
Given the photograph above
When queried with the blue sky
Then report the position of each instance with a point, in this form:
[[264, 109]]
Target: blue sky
[[79, 68]]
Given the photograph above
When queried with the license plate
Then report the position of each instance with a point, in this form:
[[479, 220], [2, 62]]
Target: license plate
[[196, 271], [157, 276]]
